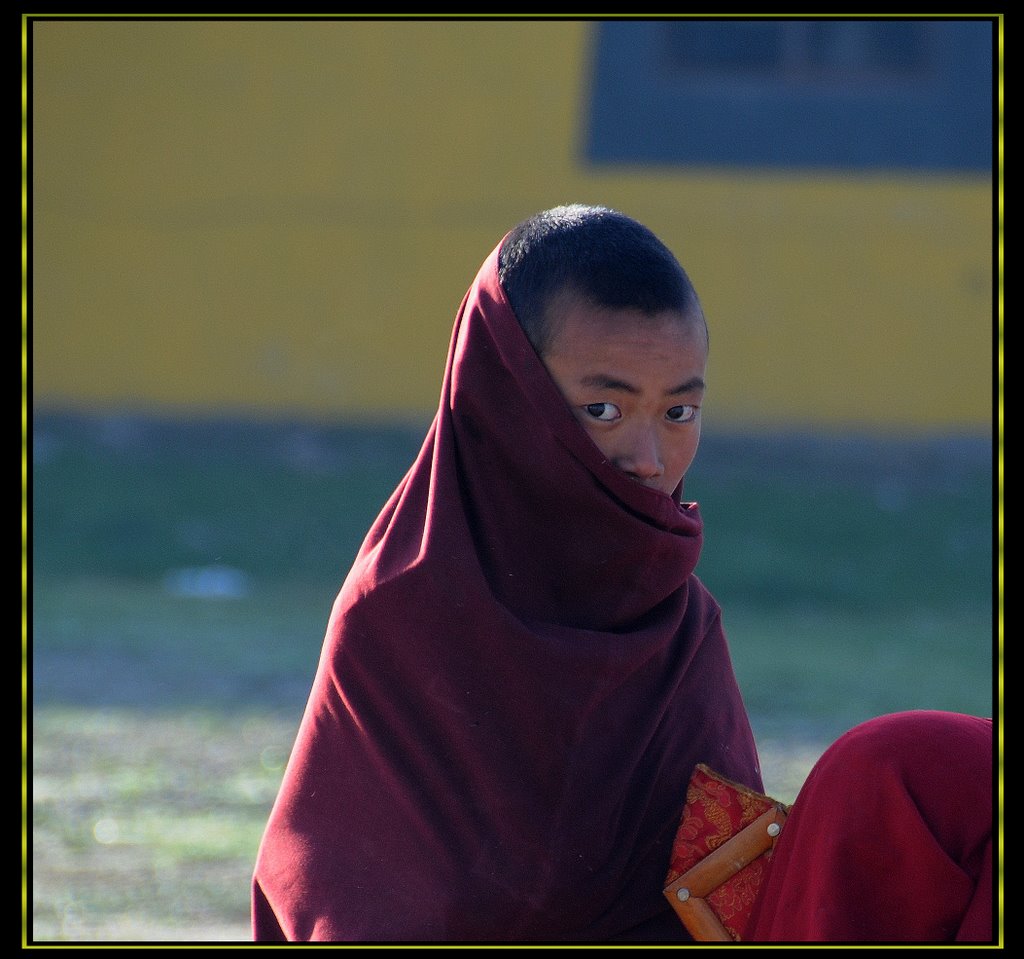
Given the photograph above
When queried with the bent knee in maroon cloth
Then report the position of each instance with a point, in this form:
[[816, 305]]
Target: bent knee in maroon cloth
[[890, 839]]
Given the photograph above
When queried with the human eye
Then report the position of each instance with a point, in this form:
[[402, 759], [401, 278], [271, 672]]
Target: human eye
[[682, 414], [603, 411]]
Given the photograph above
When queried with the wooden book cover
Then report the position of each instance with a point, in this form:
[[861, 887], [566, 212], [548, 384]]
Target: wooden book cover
[[725, 838]]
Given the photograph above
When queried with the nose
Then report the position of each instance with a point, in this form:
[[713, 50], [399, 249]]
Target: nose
[[640, 455]]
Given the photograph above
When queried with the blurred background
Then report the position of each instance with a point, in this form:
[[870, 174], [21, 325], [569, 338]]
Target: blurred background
[[248, 241]]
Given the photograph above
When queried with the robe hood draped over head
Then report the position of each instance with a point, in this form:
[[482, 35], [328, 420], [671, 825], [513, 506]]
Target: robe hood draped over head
[[519, 674]]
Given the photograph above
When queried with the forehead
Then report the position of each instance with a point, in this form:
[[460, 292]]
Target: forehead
[[578, 327]]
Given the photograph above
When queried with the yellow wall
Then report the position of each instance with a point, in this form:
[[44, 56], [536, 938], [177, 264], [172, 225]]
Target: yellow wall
[[282, 217]]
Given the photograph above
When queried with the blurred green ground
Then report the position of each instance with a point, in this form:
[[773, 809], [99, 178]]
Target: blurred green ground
[[183, 572]]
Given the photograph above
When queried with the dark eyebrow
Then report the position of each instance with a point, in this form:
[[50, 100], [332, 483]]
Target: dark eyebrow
[[690, 386], [603, 382]]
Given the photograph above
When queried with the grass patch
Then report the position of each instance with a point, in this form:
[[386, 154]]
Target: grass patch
[[832, 671], [146, 827]]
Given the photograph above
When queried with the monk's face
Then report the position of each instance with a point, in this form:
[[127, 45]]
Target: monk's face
[[634, 382]]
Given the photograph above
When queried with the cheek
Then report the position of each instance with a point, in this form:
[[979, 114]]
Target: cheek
[[684, 449], [603, 438]]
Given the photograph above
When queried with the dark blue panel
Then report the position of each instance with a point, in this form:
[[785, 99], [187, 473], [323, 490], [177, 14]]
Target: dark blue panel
[[777, 92]]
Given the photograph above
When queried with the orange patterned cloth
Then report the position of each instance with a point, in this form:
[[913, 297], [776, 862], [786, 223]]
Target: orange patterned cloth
[[716, 810]]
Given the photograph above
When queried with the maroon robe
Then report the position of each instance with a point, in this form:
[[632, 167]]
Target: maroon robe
[[890, 838], [519, 674]]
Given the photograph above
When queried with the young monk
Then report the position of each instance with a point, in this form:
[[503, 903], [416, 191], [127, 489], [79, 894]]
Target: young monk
[[522, 670]]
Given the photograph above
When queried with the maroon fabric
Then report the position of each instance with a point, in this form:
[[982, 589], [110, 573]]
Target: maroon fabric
[[889, 840], [519, 675]]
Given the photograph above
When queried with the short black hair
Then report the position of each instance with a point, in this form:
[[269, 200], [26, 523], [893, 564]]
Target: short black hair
[[595, 253]]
